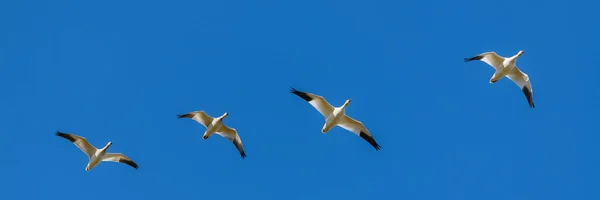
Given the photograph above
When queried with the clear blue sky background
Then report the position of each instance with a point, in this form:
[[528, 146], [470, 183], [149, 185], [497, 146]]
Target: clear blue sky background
[[121, 71]]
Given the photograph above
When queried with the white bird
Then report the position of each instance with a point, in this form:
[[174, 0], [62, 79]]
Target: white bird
[[337, 116], [215, 125], [507, 67], [96, 155]]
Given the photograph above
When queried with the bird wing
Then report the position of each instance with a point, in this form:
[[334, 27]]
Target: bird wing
[[119, 157], [198, 116], [491, 58], [522, 80], [233, 136], [316, 101], [80, 142], [359, 129]]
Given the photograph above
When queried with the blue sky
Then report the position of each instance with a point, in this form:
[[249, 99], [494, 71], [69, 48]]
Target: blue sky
[[121, 71]]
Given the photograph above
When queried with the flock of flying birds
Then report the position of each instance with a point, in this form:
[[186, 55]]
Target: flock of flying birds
[[334, 116]]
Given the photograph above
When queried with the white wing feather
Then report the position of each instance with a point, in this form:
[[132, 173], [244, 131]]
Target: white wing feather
[[353, 125], [202, 118], [492, 59], [519, 78]]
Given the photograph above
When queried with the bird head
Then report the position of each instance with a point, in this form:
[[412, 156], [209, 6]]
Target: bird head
[[520, 53], [108, 145], [347, 102]]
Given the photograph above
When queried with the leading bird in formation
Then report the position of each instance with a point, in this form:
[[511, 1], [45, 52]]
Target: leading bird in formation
[[507, 67], [337, 116], [215, 125], [96, 155]]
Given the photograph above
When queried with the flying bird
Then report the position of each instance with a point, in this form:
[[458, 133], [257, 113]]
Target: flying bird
[[96, 155], [507, 67], [337, 116], [215, 125]]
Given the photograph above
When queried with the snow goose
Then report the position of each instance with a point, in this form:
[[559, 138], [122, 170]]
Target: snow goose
[[507, 67], [215, 125], [337, 116], [96, 155]]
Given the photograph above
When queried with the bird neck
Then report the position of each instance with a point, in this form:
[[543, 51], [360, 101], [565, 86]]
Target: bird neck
[[107, 146]]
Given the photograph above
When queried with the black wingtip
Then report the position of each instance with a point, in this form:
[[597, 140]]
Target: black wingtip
[[473, 58], [239, 147], [370, 140], [377, 147], [187, 115], [529, 96], [65, 135], [130, 163], [302, 95]]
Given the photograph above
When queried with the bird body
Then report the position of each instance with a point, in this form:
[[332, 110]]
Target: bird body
[[336, 116], [97, 157]]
